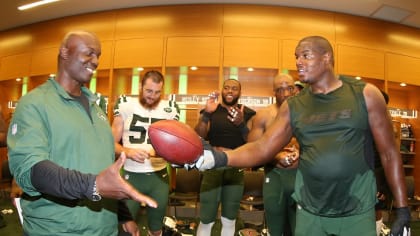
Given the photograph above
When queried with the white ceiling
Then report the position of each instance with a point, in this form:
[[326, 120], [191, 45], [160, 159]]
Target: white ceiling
[[406, 12]]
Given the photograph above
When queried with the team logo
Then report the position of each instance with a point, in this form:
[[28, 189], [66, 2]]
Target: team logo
[[167, 109], [101, 116], [14, 129]]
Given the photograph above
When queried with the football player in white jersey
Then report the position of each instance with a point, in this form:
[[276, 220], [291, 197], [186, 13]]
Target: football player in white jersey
[[143, 169]]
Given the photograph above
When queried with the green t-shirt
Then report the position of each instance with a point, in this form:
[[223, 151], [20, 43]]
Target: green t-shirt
[[333, 177]]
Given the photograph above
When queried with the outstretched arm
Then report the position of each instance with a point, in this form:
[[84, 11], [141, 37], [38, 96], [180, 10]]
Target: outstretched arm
[[52, 179]]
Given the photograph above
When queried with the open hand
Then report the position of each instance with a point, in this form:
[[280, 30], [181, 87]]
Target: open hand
[[110, 184]]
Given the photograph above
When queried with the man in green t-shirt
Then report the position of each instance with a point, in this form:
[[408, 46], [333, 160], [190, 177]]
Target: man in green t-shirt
[[335, 121]]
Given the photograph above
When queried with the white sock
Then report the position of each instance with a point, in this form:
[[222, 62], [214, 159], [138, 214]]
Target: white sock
[[204, 229], [228, 227], [379, 225]]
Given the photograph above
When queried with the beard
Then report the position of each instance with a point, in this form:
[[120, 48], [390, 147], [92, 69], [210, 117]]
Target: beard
[[233, 102], [148, 105]]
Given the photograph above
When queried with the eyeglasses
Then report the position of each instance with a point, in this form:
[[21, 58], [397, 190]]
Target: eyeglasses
[[282, 90]]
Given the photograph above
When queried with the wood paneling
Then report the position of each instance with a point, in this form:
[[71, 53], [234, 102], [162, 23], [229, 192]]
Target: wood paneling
[[251, 52], [402, 69], [189, 51], [182, 20], [376, 34], [105, 60], [44, 61], [16, 41], [288, 54], [138, 52], [15, 66], [360, 62], [281, 22]]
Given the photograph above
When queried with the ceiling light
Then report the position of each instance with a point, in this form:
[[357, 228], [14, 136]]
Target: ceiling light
[[193, 68], [403, 84], [390, 13], [35, 4], [358, 78], [250, 69], [140, 69]]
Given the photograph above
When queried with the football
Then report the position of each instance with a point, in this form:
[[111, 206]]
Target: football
[[175, 141]]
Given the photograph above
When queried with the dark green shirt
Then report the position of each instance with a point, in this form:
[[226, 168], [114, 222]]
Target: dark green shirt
[[333, 177]]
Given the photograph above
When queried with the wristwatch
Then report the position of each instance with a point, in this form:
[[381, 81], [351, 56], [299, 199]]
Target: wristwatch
[[95, 194]]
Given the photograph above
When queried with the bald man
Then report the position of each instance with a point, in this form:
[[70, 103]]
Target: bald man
[[61, 152], [280, 208]]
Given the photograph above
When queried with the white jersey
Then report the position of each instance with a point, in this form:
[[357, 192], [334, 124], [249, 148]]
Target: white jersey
[[137, 120]]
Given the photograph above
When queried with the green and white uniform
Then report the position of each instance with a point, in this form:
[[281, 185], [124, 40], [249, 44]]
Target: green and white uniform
[[49, 124], [150, 177], [333, 177]]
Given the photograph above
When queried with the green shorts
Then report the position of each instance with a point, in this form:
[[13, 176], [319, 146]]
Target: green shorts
[[224, 186], [155, 185], [314, 225], [280, 207]]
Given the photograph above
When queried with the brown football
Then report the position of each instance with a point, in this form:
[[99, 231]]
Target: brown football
[[175, 141]]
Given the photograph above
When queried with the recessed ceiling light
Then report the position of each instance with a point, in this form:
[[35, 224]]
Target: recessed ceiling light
[[358, 78], [18, 79], [250, 69], [140, 69], [193, 68], [403, 84], [35, 4]]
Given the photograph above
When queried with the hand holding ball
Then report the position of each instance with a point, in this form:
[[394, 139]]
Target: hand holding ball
[[175, 141]]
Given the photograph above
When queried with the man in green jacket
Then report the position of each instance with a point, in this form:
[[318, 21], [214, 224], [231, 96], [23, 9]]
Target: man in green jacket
[[61, 152]]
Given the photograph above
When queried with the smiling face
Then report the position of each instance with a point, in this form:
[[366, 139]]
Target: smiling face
[[314, 59], [79, 54], [231, 92]]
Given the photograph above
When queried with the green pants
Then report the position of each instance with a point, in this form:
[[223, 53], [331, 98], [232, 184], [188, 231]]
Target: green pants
[[280, 207], [155, 185], [310, 224], [224, 186]]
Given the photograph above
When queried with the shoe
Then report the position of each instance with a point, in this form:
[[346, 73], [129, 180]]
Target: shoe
[[385, 231]]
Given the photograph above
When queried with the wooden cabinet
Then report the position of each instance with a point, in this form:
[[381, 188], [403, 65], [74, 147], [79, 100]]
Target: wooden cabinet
[[407, 148], [408, 154]]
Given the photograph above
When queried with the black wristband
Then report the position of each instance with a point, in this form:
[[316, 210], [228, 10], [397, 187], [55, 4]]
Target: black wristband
[[205, 116], [243, 128], [403, 213], [220, 159]]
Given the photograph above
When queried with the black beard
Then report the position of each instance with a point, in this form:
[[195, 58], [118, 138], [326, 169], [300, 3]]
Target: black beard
[[233, 102]]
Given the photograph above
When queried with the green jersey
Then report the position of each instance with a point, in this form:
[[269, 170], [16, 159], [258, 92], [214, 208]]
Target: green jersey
[[333, 177]]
